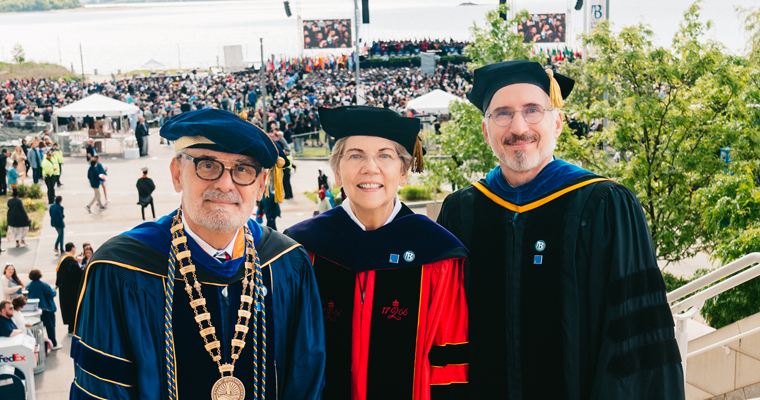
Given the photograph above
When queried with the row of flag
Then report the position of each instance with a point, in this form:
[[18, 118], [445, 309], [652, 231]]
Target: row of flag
[[342, 61], [558, 54], [309, 64]]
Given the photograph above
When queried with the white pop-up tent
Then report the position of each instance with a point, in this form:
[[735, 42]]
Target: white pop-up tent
[[96, 106], [434, 102], [153, 65]]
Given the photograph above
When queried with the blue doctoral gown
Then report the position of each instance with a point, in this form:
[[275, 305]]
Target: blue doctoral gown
[[120, 342]]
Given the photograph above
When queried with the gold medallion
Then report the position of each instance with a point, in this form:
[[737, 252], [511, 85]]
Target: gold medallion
[[228, 388]]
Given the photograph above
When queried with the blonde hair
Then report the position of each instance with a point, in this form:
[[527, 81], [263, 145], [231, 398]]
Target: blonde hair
[[406, 158]]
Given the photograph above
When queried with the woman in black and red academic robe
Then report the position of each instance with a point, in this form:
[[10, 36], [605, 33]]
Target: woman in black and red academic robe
[[391, 282]]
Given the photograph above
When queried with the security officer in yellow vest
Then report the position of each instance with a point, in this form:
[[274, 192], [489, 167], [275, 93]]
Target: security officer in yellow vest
[[58, 159], [50, 171]]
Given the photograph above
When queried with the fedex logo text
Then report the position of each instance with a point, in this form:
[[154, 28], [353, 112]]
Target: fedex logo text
[[12, 358]]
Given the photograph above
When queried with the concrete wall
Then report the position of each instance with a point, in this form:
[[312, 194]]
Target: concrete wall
[[730, 372]]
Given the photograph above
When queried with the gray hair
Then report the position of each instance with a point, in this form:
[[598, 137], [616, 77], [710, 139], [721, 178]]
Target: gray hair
[[406, 158]]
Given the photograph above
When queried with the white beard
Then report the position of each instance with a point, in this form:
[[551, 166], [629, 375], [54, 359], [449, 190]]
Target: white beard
[[216, 218]]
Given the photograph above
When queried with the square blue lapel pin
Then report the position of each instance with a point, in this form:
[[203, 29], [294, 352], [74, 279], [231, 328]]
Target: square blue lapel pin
[[394, 259], [538, 259]]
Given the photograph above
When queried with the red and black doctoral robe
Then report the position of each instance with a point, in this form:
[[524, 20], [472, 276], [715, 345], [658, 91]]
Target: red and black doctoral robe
[[395, 312]]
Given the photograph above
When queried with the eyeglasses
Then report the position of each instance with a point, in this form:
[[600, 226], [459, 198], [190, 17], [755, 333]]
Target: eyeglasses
[[531, 114], [382, 159], [211, 170]]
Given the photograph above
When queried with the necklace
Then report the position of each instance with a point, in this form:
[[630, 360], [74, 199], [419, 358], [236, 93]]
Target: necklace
[[227, 387]]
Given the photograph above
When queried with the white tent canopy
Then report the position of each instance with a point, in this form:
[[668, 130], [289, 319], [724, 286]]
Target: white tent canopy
[[434, 102], [153, 64], [96, 106]]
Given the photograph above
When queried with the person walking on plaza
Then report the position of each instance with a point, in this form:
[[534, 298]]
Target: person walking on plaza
[[94, 176], [544, 234], [262, 332], [13, 175], [35, 161], [145, 188], [11, 284], [141, 132], [56, 220], [49, 169], [271, 210], [103, 172], [322, 180], [68, 278], [20, 158], [3, 178], [40, 290], [18, 220], [58, 158], [25, 148], [90, 151]]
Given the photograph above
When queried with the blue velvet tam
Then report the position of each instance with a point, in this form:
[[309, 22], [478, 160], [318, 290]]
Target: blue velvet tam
[[489, 79], [222, 131]]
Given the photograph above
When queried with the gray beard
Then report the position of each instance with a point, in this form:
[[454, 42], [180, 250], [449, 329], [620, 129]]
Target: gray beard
[[521, 162], [216, 220]]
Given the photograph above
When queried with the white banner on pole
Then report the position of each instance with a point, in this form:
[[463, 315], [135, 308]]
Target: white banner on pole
[[598, 11]]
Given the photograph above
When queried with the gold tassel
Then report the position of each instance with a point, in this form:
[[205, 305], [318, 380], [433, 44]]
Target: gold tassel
[[554, 91], [244, 115], [276, 171], [418, 165]]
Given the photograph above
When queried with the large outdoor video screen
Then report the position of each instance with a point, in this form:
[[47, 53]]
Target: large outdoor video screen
[[327, 34], [543, 28]]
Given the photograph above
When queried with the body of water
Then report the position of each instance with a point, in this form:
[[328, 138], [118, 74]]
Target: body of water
[[192, 34]]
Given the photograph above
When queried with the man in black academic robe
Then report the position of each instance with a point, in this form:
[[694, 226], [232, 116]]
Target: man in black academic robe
[[565, 297], [68, 279]]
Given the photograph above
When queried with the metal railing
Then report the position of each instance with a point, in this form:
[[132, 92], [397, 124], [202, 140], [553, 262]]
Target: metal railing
[[687, 308]]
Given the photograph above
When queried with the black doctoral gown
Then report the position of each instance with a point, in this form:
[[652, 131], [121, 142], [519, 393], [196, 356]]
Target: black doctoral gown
[[68, 279], [565, 297]]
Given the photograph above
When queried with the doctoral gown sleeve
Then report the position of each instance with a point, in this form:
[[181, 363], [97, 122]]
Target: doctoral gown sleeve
[[304, 361], [630, 341], [444, 363], [115, 343]]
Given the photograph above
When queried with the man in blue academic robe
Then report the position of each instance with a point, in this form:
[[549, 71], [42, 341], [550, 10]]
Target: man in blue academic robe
[[204, 302]]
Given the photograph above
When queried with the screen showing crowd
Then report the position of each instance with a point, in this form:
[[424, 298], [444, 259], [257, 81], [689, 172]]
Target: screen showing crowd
[[327, 34], [543, 28]]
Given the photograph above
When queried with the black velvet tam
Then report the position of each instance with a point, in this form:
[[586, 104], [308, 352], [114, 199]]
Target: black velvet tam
[[491, 78], [348, 121]]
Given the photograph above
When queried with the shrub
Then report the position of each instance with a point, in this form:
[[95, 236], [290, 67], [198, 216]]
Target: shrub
[[415, 193], [4, 227], [34, 191], [673, 282]]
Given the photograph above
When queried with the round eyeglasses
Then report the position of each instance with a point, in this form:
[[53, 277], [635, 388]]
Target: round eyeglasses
[[531, 114], [210, 170]]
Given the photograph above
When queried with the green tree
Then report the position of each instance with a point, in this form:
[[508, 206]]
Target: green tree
[[731, 217], [751, 17], [18, 54], [670, 112], [461, 138]]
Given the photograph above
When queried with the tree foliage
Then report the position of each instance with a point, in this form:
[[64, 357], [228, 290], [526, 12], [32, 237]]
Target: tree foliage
[[37, 5], [731, 219], [670, 112], [18, 54], [462, 139]]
